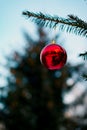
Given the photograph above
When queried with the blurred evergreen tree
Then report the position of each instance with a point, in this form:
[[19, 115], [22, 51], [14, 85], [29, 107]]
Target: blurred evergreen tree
[[34, 100]]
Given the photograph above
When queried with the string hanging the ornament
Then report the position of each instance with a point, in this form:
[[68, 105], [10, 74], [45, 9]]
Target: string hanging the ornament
[[53, 56]]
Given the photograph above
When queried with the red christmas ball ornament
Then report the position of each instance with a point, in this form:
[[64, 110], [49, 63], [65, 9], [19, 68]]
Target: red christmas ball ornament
[[53, 56]]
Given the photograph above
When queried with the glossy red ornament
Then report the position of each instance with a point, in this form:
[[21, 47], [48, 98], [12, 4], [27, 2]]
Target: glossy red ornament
[[53, 56]]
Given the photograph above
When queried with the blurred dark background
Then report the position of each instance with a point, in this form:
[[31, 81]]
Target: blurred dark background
[[36, 98]]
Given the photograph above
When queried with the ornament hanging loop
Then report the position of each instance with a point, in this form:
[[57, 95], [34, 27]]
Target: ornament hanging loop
[[53, 41], [54, 36]]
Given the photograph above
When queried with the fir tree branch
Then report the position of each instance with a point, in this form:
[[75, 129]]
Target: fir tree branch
[[71, 24], [83, 55], [85, 77]]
